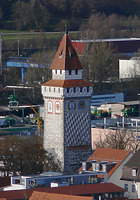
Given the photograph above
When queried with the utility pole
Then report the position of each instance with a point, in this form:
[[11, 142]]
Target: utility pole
[[0, 54], [18, 47], [87, 30]]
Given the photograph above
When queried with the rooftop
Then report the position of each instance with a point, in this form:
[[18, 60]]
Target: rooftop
[[66, 57], [110, 155], [72, 190]]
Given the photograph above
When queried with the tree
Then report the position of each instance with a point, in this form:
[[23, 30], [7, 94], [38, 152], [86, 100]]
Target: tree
[[40, 16], [97, 63], [22, 15], [119, 139], [25, 156]]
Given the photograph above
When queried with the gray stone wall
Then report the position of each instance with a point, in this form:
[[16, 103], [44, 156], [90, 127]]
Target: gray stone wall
[[54, 130]]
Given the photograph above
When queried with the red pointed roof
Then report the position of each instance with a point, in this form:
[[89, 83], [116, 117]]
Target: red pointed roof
[[66, 57]]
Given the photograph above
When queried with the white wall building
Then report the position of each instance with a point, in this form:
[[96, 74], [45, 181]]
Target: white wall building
[[129, 68]]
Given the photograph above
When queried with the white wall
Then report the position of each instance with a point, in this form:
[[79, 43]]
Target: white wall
[[129, 68]]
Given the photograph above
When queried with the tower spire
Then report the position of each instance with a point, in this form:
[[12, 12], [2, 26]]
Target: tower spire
[[66, 29]]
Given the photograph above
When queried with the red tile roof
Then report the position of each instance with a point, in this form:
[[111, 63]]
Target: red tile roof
[[72, 190], [66, 57], [110, 155], [50, 196], [67, 83]]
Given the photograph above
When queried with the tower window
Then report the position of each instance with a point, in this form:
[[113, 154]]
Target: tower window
[[68, 90], [81, 89], [69, 72], [74, 89], [76, 71]]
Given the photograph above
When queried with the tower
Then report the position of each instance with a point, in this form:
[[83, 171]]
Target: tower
[[67, 124]]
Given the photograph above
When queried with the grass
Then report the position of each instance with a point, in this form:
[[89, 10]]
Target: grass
[[30, 35]]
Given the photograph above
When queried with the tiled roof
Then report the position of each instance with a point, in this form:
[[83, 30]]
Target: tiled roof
[[110, 155], [51, 196], [67, 83], [66, 57], [134, 161], [72, 190]]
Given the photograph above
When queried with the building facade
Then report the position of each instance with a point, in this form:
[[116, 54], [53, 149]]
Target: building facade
[[67, 127]]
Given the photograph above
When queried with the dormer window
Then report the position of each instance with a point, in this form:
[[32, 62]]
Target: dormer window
[[70, 54], [97, 166], [69, 72], [84, 166], [60, 55], [104, 168]]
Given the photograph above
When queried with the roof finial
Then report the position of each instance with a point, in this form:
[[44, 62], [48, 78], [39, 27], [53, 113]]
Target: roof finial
[[66, 29]]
